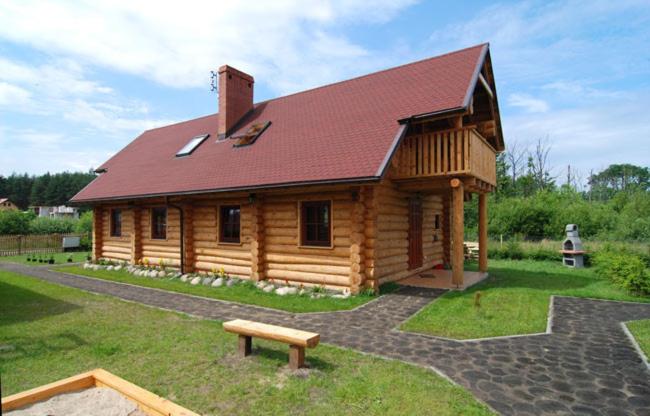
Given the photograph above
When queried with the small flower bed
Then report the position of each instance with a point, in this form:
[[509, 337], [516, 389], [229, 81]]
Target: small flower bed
[[215, 278]]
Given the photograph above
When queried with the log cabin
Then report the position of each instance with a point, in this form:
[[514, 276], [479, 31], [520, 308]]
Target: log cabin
[[345, 186]]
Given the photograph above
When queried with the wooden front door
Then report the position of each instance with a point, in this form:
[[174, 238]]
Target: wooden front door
[[415, 233]]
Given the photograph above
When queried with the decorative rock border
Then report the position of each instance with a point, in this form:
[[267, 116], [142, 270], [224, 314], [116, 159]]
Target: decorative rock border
[[212, 279]]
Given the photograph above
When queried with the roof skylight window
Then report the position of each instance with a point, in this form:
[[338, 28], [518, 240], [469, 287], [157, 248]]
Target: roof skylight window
[[192, 145]]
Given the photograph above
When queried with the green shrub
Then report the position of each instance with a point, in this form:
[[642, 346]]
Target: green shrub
[[541, 253], [85, 242], [624, 269], [85, 227], [46, 225], [15, 222], [85, 223], [519, 216], [634, 221], [513, 250], [495, 252], [543, 215]]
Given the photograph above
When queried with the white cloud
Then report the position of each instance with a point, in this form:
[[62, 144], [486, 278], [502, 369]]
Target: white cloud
[[39, 139], [41, 150], [54, 78], [60, 89], [587, 138], [292, 44], [110, 117], [533, 40], [581, 90], [12, 95], [528, 103]]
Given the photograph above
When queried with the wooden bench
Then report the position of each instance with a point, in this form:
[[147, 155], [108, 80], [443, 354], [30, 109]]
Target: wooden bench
[[297, 340], [471, 250]]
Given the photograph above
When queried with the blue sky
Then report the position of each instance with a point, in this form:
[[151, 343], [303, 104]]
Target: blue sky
[[80, 80]]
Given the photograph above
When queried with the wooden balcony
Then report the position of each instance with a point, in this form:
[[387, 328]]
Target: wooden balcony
[[460, 152]]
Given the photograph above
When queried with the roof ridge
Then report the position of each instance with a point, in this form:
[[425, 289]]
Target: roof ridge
[[408, 64]]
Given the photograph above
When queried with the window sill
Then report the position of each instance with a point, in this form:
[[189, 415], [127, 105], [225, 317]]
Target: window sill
[[227, 244], [330, 247]]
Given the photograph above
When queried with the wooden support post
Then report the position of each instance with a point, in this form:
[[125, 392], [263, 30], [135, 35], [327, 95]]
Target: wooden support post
[[357, 242], [458, 232], [296, 357], [136, 236], [369, 199], [257, 245], [188, 238], [98, 232], [482, 233], [446, 228], [245, 345]]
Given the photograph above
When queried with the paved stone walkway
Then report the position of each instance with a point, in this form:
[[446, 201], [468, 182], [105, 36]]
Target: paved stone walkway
[[585, 366]]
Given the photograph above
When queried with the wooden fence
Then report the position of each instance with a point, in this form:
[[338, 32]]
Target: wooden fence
[[13, 245]]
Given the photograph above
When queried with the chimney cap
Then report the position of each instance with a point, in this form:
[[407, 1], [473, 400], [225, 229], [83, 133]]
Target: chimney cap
[[234, 71]]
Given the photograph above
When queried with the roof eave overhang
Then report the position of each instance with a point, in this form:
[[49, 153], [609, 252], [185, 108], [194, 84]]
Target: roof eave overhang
[[477, 70], [446, 112], [485, 53], [348, 181]]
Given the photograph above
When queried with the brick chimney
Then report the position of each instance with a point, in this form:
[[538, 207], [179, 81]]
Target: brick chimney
[[235, 98]]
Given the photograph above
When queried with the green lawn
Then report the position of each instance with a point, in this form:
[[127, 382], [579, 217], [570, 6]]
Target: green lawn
[[49, 332], [59, 258], [242, 293], [641, 332], [514, 300]]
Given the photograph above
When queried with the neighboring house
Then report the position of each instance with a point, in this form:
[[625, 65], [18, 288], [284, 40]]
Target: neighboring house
[[7, 205], [348, 185], [56, 212]]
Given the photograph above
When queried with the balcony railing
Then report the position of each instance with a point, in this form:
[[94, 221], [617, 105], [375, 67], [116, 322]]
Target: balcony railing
[[462, 152]]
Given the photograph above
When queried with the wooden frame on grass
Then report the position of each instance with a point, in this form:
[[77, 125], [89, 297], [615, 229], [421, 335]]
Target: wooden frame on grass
[[148, 402]]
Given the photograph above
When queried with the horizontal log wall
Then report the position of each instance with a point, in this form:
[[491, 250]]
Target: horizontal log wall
[[387, 253], [431, 246], [371, 203], [209, 253], [116, 248], [285, 259], [369, 238], [167, 250]]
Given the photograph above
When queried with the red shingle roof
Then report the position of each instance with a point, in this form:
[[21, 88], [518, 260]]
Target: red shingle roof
[[342, 131]]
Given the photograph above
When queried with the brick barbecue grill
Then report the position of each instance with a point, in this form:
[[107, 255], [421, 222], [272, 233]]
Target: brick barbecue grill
[[572, 250]]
